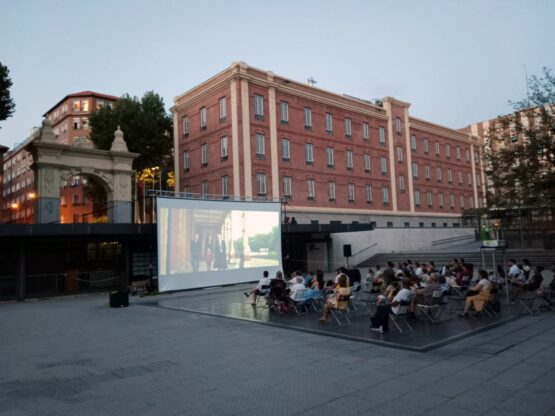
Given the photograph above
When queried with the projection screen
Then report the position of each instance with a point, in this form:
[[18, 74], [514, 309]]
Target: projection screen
[[205, 243]]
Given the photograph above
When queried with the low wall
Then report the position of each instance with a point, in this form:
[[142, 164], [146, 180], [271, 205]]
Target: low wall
[[365, 244]]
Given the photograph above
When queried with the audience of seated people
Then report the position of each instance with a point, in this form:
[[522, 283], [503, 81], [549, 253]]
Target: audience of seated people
[[338, 300]]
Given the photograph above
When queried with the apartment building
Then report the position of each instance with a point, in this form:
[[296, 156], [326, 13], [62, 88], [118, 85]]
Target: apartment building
[[249, 133]]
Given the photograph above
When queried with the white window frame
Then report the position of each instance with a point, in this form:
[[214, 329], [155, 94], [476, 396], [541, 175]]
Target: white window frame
[[365, 131], [367, 163], [185, 122], [402, 183], [285, 149], [427, 174], [429, 199], [348, 127], [460, 175], [440, 199], [416, 198], [351, 192], [448, 151], [204, 189], [329, 123], [307, 117], [225, 185], [308, 153], [399, 154], [467, 155], [383, 165], [349, 157], [202, 115], [329, 156], [449, 175], [414, 170], [381, 135], [223, 108], [426, 146], [186, 160], [204, 154], [451, 200], [458, 153], [438, 174], [397, 125], [223, 147], [438, 150], [461, 200], [261, 184], [258, 105], [385, 195], [310, 188], [412, 142], [287, 186], [331, 191], [260, 148], [369, 193], [284, 112]]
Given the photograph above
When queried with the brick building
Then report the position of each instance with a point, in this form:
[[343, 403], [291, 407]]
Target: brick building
[[70, 119], [250, 133]]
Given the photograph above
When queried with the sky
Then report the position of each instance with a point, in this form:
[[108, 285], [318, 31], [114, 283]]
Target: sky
[[456, 62]]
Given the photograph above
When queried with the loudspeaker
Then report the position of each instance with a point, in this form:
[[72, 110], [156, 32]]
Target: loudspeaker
[[347, 250], [119, 299]]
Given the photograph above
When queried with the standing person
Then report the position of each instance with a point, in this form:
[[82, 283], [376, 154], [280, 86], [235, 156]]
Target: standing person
[[220, 257], [195, 252], [209, 252]]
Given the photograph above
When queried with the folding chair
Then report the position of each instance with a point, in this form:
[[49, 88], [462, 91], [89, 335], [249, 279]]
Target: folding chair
[[531, 302], [401, 317], [300, 302], [317, 302], [432, 311], [341, 311], [264, 290]]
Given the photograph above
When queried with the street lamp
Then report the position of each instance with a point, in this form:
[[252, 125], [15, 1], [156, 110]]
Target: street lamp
[[15, 207]]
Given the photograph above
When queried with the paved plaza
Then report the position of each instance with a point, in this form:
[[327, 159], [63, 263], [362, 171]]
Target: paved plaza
[[76, 356]]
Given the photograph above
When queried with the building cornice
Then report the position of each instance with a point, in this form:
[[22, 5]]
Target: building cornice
[[426, 126], [369, 212]]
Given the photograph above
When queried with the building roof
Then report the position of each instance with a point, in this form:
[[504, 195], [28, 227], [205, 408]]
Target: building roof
[[82, 94]]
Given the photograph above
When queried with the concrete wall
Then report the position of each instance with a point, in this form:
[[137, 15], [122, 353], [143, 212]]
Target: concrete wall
[[365, 244]]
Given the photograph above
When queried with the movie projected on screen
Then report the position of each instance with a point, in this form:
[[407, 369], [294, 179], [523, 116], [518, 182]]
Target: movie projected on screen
[[208, 243]]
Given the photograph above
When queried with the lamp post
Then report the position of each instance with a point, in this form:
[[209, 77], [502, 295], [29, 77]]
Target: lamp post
[[15, 207]]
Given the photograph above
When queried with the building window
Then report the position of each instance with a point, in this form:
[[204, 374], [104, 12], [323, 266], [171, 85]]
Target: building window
[[401, 183], [308, 155], [437, 148], [434, 225], [460, 178], [451, 201], [85, 104], [331, 191], [307, 118], [438, 174], [413, 142], [258, 106], [383, 165], [203, 118], [85, 122], [347, 127], [351, 192], [285, 149], [63, 201], [467, 155], [440, 199], [429, 199], [223, 147], [397, 125], [349, 161], [449, 175], [76, 124], [390, 224], [478, 180], [287, 186], [385, 195], [462, 201], [76, 181], [381, 133], [260, 149], [399, 154], [365, 132], [448, 151], [76, 105], [470, 202], [417, 198], [75, 199], [261, 184], [204, 154], [458, 152], [369, 196], [186, 126], [223, 108], [204, 189], [310, 188], [225, 183], [426, 147], [367, 165], [186, 160], [329, 123], [283, 112], [329, 157], [415, 170], [427, 172]]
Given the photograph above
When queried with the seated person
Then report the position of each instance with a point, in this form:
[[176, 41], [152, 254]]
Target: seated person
[[257, 291], [424, 295], [335, 302], [533, 283], [277, 291], [479, 294], [380, 320], [464, 277], [294, 290]]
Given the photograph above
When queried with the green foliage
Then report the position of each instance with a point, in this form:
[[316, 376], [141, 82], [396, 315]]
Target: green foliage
[[7, 106], [94, 190], [146, 126], [268, 240], [521, 160]]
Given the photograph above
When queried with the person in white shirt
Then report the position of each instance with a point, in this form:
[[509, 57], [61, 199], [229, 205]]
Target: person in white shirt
[[380, 320], [295, 289], [514, 270], [261, 288]]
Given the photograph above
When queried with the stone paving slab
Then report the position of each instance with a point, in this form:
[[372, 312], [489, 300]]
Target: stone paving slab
[[76, 356]]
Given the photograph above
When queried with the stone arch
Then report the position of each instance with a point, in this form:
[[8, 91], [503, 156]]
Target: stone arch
[[54, 162]]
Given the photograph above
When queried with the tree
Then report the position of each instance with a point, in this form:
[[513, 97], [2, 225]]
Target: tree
[[520, 155], [7, 106]]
